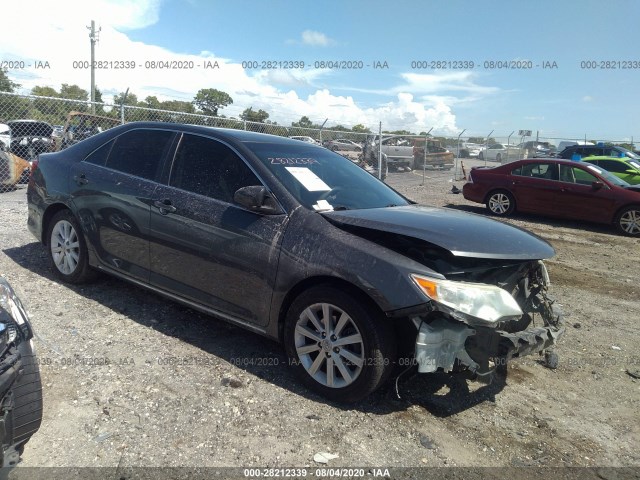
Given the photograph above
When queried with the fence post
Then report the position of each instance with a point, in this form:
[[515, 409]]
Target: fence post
[[380, 151], [455, 163]]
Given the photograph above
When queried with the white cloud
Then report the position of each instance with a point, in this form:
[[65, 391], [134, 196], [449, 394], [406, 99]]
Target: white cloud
[[316, 39], [61, 38], [587, 98]]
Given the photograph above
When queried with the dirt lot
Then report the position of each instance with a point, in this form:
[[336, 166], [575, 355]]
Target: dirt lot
[[131, 379]]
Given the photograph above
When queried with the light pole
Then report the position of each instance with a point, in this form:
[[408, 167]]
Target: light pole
[[93, 37]]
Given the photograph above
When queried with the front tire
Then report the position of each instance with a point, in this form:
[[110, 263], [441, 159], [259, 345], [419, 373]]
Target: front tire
[[67, 249], [340, 347], [500, 203], [628, 221]]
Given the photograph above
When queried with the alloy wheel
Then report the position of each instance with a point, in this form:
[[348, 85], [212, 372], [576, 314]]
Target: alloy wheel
[[630, 222], [329, 345], [499, 203], [65, 247]]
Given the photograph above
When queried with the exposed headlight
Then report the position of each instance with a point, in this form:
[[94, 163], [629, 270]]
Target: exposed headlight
[[10, 303], [480, 300]]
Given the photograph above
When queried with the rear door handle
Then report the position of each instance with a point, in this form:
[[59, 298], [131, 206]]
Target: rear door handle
[[164, 206], [81, 179]]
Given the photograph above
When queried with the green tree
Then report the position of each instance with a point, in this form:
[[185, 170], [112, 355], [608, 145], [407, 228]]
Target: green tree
[[251, 115], [178, 106], [44, 91], [98, 99], [304, 122], [210, 100], [74, 92], [131, 99], [47, 110], [398, 132], [360, 129], [151, 102], [6, 85]]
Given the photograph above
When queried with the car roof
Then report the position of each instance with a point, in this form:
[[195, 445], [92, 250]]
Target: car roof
[[223, 133], [559, 161], [606, 157]]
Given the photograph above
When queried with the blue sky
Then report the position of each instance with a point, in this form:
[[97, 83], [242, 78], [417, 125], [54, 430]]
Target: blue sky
[[563, 102]]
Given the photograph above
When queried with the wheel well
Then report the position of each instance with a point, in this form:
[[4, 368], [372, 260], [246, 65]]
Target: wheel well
[[619, 211], [308, 283], [48, 215]]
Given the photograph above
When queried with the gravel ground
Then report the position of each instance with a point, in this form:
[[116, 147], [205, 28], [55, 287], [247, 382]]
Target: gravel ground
[[131, 379]]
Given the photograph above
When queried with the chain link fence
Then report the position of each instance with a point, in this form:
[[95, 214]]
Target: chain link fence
[[30, 125]]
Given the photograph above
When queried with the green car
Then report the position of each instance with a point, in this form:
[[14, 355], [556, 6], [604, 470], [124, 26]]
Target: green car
[[625, 168]]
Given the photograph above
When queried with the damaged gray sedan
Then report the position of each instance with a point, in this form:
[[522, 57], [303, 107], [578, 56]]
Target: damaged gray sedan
[[297, 243]]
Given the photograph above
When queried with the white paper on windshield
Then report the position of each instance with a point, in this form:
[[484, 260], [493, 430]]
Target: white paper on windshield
[[308, 179], [322, 206]]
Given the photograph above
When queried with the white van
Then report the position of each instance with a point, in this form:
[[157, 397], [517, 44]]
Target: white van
[[564, 144]]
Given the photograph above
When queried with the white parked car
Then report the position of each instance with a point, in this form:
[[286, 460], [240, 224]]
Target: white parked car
[[5, 136], [303, 138], [499, 152]]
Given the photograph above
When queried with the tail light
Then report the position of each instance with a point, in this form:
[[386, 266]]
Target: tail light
[[34, 165]]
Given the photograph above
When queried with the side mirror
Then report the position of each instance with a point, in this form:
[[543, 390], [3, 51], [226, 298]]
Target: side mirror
[[632, 172], [597, 185], [258, 199]]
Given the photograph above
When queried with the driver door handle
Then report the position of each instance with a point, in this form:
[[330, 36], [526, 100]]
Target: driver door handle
[[164, 206]]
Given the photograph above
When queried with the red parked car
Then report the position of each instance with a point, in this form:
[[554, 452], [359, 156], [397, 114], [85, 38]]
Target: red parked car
[[557, 188]]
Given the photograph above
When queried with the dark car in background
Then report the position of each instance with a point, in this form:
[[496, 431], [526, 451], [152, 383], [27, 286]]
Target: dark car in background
[[20, 384], [557, 188], [572, 152], [30, 138], [297, 243]]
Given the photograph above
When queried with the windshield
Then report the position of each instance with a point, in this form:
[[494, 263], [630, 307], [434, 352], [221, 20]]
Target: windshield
[[322, 180], [610, 177], [629, 154]]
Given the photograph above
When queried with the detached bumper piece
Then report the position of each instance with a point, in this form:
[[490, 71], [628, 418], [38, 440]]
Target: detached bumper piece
[[447, 344]]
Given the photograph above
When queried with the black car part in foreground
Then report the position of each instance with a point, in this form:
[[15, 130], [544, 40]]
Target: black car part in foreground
[[297, 243], [20, 385]]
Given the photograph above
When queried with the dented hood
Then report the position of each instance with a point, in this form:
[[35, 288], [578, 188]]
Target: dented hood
[[463, 234]]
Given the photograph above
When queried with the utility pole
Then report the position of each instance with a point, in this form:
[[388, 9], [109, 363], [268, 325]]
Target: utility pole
[[93, 37]]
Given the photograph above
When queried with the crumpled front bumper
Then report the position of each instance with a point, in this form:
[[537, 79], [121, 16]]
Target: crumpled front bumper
[[445, 343]]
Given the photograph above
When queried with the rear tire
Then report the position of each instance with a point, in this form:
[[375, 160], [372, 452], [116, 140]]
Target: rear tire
[[340, 347], [67, 249], [500, 203], [628, 221]]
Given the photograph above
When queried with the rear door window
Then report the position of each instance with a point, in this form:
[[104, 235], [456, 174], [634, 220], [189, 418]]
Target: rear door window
[[547, 171], [139, 152]]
